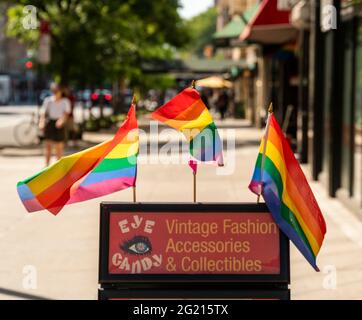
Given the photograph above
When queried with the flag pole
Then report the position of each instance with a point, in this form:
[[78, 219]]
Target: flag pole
[[193, 86], [134, 194], [194, 174], [134, 187], [266, 136]]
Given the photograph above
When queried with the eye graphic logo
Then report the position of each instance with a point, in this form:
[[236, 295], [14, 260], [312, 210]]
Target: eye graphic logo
[[138, 245]]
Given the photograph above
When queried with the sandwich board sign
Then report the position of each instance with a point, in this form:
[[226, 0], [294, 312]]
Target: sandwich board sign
[[183, 245]]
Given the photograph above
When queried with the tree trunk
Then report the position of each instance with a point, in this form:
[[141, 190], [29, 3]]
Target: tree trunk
[[118, 100]]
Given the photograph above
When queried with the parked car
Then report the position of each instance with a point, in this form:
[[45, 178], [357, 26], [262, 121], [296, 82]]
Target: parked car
[[5, 89], [84, 96], [101, 97]]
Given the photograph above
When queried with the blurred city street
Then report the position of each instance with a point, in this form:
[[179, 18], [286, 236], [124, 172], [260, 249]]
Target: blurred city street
[[63, 249], [286, 71]]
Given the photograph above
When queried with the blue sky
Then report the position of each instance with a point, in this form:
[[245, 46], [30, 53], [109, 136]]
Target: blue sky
[[194, 7]]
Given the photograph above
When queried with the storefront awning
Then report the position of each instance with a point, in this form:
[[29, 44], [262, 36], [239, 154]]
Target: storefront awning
[[237, 25], [215, 82], [269, 25]]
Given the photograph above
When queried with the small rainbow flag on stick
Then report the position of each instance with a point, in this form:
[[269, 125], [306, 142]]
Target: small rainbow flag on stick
[[103, 169], [280, 180], [187, 113]]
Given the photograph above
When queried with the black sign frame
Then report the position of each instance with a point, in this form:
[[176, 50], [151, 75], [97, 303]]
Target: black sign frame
[[106, 278], [194, 294]]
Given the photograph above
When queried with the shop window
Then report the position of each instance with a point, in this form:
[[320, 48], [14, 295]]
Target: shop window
[[347, 108], [358, 120]]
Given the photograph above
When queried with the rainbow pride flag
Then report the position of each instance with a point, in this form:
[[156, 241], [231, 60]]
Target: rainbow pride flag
[[103, 169], [280, 180], [187, 113]]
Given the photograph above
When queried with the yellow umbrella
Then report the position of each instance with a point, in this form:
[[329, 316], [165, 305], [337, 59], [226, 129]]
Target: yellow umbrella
[[214, 82]]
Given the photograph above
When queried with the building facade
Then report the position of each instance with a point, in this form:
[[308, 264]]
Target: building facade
[[233, 16], [227, 9], [336, 109], [267, 42], [305, 57]]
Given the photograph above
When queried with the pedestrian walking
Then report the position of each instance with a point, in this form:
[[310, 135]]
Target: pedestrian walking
[[55, 112], [205, 97], [72, 129], [222, 103]]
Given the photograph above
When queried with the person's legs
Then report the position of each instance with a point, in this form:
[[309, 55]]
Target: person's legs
[[59, 149], [48, 151], [222, 113]]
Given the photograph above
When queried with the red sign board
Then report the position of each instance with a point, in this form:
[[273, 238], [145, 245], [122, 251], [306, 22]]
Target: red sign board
[[193, 243], [185, 242]]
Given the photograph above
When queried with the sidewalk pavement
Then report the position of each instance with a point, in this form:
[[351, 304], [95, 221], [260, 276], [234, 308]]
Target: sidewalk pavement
[[64, 249]]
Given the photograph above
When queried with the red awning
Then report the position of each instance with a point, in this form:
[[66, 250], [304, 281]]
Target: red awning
[[270, 25]]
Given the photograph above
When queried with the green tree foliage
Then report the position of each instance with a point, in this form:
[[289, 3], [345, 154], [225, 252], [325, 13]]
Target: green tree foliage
[[201, 28], [103, 40]]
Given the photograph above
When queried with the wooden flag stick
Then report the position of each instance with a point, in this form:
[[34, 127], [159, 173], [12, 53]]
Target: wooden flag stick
[[266, 136], [194, 174], [193, 86], [134, 187], [134, 194], [258, 199]]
